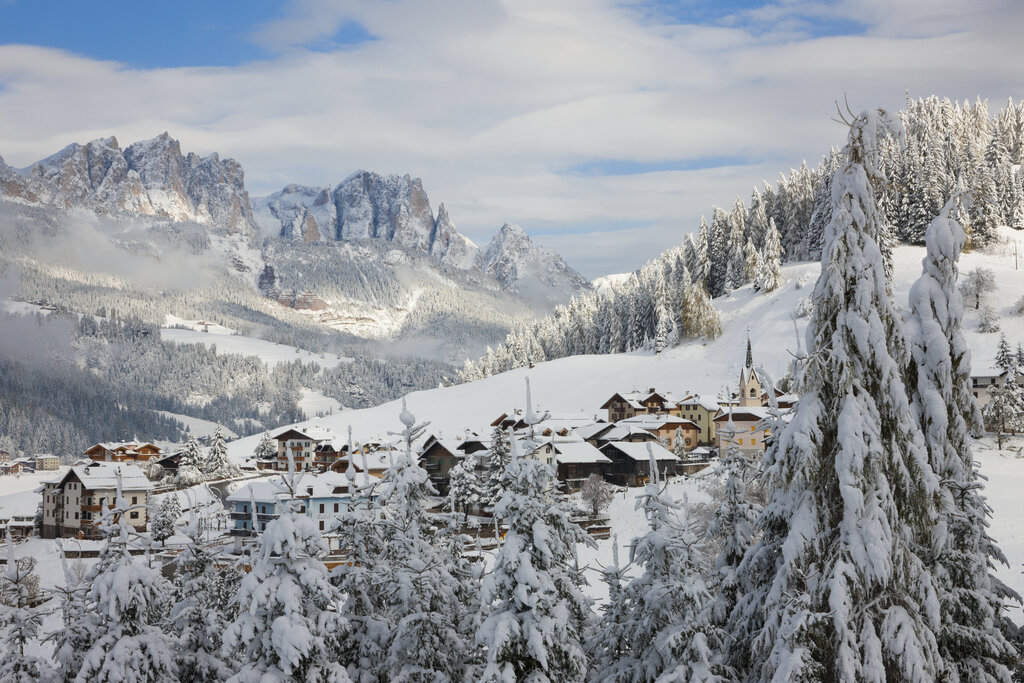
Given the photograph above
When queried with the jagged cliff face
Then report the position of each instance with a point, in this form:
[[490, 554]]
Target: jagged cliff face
[[518, 264], [366, 206], [149, 178]]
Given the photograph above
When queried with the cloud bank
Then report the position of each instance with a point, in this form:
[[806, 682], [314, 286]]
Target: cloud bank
[[604, 128]]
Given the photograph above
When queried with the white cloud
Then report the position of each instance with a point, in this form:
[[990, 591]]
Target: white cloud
[[488, 101]]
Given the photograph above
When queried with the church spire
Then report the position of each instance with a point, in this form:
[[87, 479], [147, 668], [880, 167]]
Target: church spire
[[750, 354]]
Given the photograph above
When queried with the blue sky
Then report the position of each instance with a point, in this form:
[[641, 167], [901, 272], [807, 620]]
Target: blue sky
[[605, 128], [155, 34]]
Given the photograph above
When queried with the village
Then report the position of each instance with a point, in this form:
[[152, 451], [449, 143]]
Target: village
[[680, 433]]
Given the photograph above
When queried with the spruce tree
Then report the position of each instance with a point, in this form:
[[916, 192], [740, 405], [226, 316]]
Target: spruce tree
[[131, 599], [201, 613], [217, 464], [421, 596], [78, 623], [662, 618], [532, 629], [191, 463], [731, 529], [837, 588], [162, 526], [20, 621], [970, 638], [497, 460], [769, 274], [288, 622]]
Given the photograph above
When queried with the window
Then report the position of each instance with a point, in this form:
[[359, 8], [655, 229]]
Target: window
[[76, 515], [335, 507], [321, 512], [752, 394], [135, 499], [740, 442], [134, 514], [321, 525], [245, 508]]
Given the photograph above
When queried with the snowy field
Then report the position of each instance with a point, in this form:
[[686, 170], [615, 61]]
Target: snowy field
[[29, 481], [229, 342], [197, 426]]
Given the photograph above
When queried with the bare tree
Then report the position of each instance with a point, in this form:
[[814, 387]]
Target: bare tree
[[979, 282], [597, 493]]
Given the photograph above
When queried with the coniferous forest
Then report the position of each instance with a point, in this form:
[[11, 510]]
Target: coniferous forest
[[942, 150]]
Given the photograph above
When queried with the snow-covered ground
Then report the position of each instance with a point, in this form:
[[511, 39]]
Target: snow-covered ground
[[197, 426], [229, 342], [314, 402], [28, 481]]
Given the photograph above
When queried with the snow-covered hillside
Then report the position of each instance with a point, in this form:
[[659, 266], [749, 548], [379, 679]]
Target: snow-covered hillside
[[582, 383]]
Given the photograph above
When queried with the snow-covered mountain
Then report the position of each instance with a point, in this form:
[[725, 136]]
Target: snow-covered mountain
[[365, 206], [149, 178], [519, 265]]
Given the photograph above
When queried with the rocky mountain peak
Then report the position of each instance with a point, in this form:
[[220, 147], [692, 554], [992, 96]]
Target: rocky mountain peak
[[515, 261], [366, 205], [149, 178]]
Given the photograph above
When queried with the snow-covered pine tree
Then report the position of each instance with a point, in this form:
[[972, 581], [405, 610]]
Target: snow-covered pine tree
[[737, 240], [420, 595], [718, 253], [288, 622], [609, 641], [700, 265], [731, 529], [663, 616], [165, 517], [131, 599], [531, 632], [752, 261], [361, 536], [75, 634], [464, 488], [1005, 358], [769, 273], [21, 621], [200, 615], [698, 314], [970, 638], [678, 444], [191, 464], [217, 464], [757, 219], [267, 447], [837, 588], [497, 460]]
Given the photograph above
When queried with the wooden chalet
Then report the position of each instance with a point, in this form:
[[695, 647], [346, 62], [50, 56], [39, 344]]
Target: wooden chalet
[[631, 463], [438, 457], [577, 460], [123, 451]]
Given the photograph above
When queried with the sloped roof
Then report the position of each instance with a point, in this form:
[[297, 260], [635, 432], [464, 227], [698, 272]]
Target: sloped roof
[[707, 402], [578, 452], [638, 451], [103, 475]]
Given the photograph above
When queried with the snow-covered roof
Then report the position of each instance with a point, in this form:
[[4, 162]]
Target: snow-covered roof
[[578, 452], [324, 485], [103, 475], [262, 491], [702, 400], [312, 432], [655, 421], [743, 413], [588, 431], [638, 450], [622, 431]]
